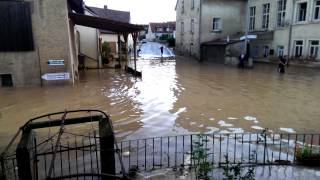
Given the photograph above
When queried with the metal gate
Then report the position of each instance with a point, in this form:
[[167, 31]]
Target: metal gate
[[49, 149]]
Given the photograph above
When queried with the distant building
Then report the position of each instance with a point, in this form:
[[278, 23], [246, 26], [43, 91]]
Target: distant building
[[156, 30], [205, 28]]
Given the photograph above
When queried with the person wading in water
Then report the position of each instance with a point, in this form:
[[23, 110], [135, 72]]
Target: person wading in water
[[282, 65]]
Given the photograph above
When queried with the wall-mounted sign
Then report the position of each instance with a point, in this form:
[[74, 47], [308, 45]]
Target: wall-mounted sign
[[56, 76], [56, 62]]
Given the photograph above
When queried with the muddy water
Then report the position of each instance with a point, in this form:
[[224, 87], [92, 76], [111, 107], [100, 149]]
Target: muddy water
[[178, 96]]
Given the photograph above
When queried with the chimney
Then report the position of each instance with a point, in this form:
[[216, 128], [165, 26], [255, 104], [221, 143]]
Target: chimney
[[105, 7]]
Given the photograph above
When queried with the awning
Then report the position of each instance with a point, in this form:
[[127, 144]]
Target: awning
[[105, 24]]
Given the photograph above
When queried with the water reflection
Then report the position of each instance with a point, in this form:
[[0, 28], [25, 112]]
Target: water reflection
[[176, 97]]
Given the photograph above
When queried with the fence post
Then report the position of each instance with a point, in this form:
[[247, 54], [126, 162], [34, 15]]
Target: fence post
[[107, 150], [24, 154], [3, 168]]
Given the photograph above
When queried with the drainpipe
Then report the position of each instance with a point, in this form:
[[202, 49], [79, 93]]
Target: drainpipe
[[290, 33], [199, 33], [98, 50]]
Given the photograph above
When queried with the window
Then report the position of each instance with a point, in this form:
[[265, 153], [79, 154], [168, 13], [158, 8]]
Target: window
[[159, 29], [280, 51], [298, 48], [192, 4], [182, 6], [302, 11], [6, 80], [265, 51], [265, 15], [216, 25], [281, 15], [316, 10], [192, 26], [168, 29], [314, 49], [252, 16], [15, 26], [182, 28]]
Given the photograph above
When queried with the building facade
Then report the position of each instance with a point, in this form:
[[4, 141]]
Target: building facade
[[282, 27], [51, 38]]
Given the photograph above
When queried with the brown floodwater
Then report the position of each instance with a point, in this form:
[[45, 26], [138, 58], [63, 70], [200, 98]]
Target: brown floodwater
[[178, 97]]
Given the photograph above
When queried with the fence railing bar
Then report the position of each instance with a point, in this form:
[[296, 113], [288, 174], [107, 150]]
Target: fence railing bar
[[83, 163], [161, 152], [35, 161], [311, 144], [90, 154], [129, 154], [213, 148], [61, 164], [242, 148], [249, 148], [168, 151], [235, 148], [152, 153], [138, 153], [257, 147], [69, 161], [183, 151], [145, 154], [76, 152], [220, 148], [96, 151], [175, 152], [280, 140], [295, 148], [288, 147]]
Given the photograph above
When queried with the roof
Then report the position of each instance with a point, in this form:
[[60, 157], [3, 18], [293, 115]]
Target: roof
[[164, 26], [104, 23], [121, 16], [77, 5]]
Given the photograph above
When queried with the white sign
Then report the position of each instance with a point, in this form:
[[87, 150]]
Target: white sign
[[56, 62], [248, 37], [56, 76]]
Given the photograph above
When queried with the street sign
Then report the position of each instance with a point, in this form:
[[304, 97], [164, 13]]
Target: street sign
[[56, 76], [56, 62]]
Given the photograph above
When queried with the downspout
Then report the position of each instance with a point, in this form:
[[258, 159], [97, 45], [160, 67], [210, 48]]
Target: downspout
[[290, 33], [199, 33], [98, 50]]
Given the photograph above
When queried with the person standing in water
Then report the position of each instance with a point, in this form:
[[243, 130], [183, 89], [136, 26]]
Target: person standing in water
[[161, 49], [282, 65]]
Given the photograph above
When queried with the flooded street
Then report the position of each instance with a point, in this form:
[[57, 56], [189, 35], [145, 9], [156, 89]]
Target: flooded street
[[178, 97]]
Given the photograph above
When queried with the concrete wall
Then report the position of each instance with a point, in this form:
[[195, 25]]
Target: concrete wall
[[51, 38]]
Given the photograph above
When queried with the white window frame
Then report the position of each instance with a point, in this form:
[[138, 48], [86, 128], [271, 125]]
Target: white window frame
[[192, 4], [298, 19], [315, 13], [265, 15], [280, 51], [192, 26], [300, 48], [252, 17], [216, 24], [182, 28], [281, 13], [314, 48]]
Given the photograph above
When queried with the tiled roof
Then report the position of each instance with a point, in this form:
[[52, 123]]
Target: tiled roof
[[155, 27], [122, 16]]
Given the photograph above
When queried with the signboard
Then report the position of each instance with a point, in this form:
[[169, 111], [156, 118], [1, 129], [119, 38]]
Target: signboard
[[56, 76], [248, 37], [56, 62]]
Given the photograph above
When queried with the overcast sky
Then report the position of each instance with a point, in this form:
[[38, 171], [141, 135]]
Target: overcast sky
[[142, 11]]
